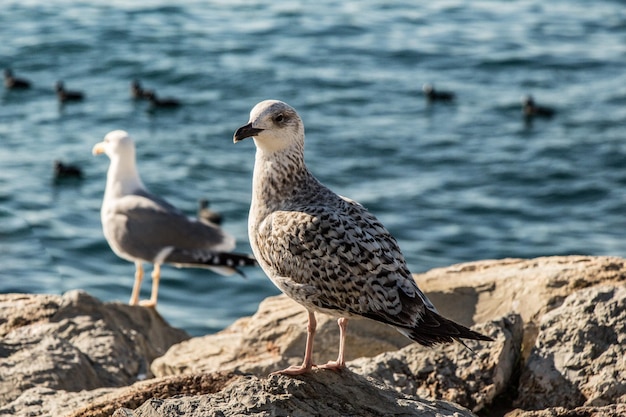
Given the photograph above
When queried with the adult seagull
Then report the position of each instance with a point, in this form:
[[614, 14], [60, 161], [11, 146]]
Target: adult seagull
[[142, 227]]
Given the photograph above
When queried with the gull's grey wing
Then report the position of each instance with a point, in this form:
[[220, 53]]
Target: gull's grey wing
[[165, 205], [142, 228], [342, 258]]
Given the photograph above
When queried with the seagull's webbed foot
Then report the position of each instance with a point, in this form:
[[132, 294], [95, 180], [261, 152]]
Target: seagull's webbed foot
[[295, 370], [148, 303], [333, 366]]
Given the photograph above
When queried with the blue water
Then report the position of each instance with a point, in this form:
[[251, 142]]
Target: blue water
[[453, 182]]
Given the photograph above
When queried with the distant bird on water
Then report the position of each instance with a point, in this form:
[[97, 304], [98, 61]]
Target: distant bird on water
[[164, 103], [66, 171], [137, 91], [325, 251], [65, 96], [142, 227], [434, 95], [12, 82], [206, 214], [530, 109]]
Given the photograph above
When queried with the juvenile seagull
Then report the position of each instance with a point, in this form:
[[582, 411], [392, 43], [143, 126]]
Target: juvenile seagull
[[141, 227], [325, 251]]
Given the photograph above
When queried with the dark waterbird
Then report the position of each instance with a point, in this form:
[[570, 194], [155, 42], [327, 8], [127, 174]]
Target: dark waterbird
[[12, 82], [205, 214], [138, 92], [65, 96], [530, 109], [165, 103], [66, 171], [434, 95]]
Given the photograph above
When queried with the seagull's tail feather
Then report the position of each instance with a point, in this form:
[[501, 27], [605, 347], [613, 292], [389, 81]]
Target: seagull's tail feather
[[224, 263], [435, 329]]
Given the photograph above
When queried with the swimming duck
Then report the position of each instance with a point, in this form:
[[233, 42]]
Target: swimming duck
[[138, 92], [12, 82], [530, 109], [167, 102], [205, 214], [67, 95], [64, 171], [434, 95]]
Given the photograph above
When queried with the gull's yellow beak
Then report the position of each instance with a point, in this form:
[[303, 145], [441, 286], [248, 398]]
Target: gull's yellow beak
[[98, 149]]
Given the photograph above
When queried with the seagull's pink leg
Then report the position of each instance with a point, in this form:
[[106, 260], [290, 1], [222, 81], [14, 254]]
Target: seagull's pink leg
[[134, 298], [307, 364], [156, 276], [340, 362]]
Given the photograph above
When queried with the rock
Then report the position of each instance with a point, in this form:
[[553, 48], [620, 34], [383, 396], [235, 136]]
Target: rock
[[320, 393], [579, 356], [74, 342], [74, 355], [470, 378], [476, 292], [41, 401], [274, 338], [160, 388], [469, 293], [613, 410]]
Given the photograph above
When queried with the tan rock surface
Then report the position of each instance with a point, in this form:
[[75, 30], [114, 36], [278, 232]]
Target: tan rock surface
[[579, 358], [475, 292], [470, 378], [273, 338], [320, 393], [137, 394], [74, 342], [469, 293], [613, 410], [57, 352]]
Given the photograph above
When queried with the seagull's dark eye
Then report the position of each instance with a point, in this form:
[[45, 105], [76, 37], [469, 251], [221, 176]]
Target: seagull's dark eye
[[279, 118]]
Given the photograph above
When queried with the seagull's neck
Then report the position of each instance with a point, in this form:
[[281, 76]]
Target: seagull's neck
[[122, 178], [280, 176]]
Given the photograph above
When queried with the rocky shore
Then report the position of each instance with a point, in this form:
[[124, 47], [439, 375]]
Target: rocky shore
[[559, 325]]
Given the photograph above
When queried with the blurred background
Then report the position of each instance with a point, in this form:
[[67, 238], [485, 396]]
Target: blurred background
[[454, 181]]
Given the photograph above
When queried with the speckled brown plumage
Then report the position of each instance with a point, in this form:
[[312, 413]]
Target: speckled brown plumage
[[325, 251]]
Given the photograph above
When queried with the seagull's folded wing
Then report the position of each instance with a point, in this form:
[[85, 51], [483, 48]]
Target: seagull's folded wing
[[144, 228], [345, 260]]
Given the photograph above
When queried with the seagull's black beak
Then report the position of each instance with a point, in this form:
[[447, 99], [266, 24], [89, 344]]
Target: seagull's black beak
[[246, 131]]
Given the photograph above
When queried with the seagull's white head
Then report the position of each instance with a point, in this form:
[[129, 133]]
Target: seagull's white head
[[274, 125], [122, 177], [116, 144]]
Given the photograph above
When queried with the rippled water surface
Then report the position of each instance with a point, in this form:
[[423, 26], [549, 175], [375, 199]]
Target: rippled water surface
[[453, 182]]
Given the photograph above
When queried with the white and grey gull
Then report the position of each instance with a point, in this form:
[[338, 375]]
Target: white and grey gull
[[325, 251], [144, 228]]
